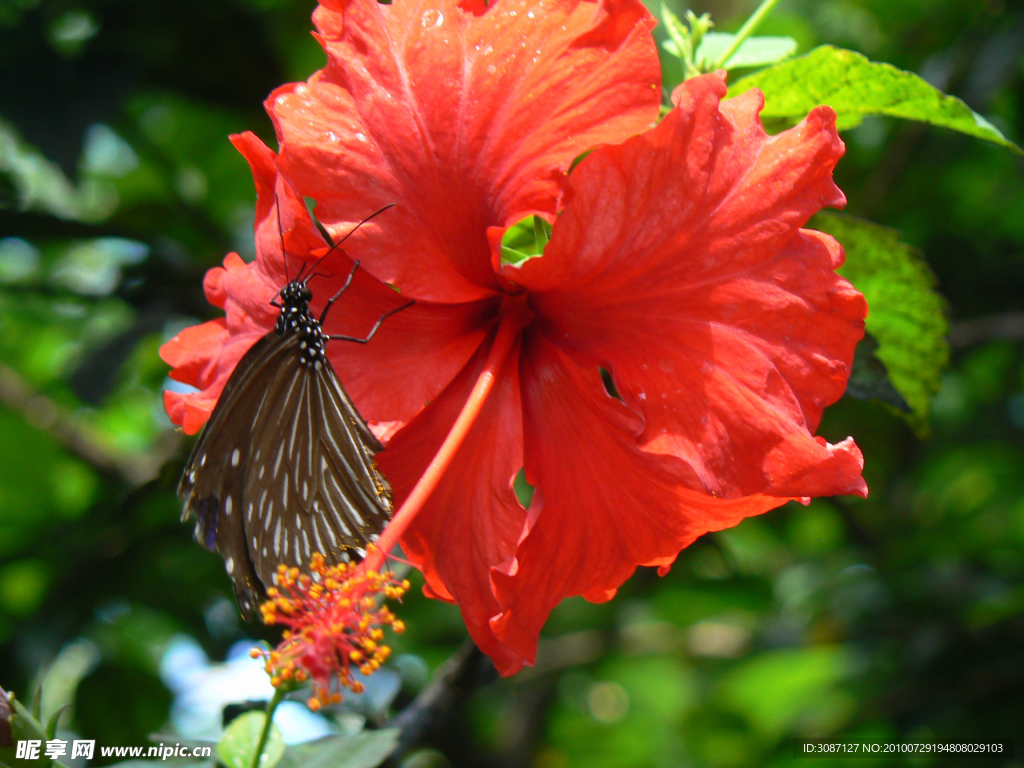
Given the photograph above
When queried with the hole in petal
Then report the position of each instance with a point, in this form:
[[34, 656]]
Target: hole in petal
[[524, 240], [577, 160], [522, 488], [310, 205], [609, 385]]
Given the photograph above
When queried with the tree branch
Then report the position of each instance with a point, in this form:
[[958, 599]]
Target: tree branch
[[41, 412], [966, 333], [455, 680]]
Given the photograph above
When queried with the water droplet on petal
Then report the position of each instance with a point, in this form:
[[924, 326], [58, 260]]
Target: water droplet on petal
[[432, 18]]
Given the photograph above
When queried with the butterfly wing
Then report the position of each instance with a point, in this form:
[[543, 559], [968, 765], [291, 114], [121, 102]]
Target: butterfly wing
[[313, 486], [212, 485], [283, 469]]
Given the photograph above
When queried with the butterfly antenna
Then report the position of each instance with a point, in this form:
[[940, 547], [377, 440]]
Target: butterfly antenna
[[347, 236], [280, 231]]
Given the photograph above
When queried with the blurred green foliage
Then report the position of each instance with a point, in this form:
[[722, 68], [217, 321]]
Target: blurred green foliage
[[901, 615]]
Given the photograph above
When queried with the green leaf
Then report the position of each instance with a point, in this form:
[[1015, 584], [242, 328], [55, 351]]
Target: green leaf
[[51, 726], [173, 738], [9, 759], [869, 378], [365, 750], [541, 233], [753, 52], [240, 740], [857, 88], [678, 35], [522, 488], [683, 40], [905, 313], [61, 679], [776, 688], [524, 240], [24, 726]]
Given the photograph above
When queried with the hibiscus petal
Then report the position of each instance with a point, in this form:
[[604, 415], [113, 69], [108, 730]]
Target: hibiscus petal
[[602, 506], [421, 348], [202, 356], [472, 520], [413, 356], [282, 218], [465, 116], [680, 264]]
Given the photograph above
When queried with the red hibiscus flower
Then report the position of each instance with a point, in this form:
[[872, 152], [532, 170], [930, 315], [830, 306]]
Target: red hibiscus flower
[[677, 262]]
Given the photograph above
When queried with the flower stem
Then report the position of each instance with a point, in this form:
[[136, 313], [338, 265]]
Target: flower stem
[[746, 30], [512, 322], [276, 699]]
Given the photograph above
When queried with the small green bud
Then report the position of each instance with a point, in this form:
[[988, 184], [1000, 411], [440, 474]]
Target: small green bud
[[5, 720]]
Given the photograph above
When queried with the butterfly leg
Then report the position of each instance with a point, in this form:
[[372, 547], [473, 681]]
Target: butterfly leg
[[376, 326], [334, 298]]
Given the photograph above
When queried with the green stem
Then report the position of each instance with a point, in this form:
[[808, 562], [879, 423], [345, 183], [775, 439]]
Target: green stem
[[277, 698], [746, 30]]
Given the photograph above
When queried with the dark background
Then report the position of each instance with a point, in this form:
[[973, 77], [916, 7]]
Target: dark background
[[897, 616]]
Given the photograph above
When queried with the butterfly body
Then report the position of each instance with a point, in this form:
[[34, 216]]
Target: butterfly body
[[284, 468]]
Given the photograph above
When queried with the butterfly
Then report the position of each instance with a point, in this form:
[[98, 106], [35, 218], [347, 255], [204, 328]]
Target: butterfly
[[284, 467]]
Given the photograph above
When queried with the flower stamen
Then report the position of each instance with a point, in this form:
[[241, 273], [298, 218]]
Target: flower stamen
[[334, 622]]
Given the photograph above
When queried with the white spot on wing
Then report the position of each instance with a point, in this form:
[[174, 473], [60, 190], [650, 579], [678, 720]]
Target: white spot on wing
[[229, 565], [235, 456], [277, 459], [341, 522], [228, 505], [319, 544]]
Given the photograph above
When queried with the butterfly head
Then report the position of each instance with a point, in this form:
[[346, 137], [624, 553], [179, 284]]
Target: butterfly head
[[296, 294]]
